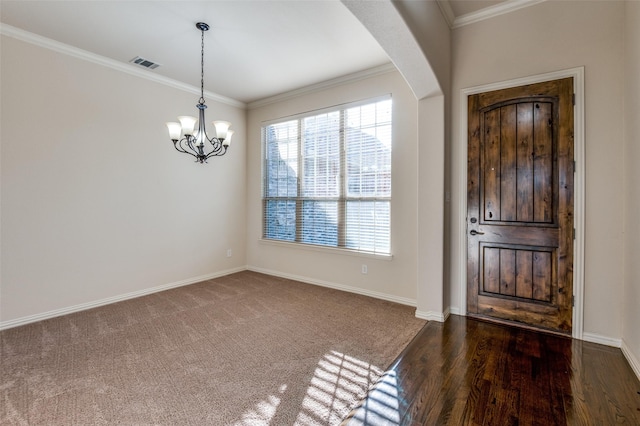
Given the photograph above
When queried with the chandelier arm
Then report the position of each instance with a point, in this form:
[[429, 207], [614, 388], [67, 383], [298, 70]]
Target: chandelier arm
[[211, 150], [218, 150], [217, 144], [188, 145], [191, 143], [180, 148]]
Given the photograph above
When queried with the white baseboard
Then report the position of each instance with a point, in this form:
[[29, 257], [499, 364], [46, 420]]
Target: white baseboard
[[616, 343], [433, 315], [631, 358], [347, 288], [603, 340], [89, 305]]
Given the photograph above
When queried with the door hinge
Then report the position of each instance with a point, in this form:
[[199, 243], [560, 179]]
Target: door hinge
[[574, 233], [573, 300], [573, 99], [574, 166]]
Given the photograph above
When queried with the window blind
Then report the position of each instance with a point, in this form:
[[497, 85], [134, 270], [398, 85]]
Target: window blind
[[327, 177]]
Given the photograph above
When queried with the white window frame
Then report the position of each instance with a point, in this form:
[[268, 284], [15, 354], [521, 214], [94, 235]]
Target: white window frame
[[343, 197]]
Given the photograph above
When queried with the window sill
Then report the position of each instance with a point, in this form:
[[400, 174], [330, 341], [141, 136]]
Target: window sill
[[325, 249]]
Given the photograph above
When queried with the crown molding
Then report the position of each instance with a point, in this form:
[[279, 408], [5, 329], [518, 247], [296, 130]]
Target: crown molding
[[487, 13], [346, 79], [447, 12], [47, 43]]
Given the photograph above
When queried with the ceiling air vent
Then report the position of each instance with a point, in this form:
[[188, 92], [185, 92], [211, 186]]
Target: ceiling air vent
[[144, 63]]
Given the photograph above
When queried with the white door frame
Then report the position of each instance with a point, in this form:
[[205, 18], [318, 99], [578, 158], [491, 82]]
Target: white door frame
[[579, 184]]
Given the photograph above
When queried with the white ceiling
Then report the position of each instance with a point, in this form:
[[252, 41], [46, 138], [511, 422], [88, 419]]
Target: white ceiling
[[255, 48]]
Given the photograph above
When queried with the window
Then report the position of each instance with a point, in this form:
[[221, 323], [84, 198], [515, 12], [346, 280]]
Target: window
[[327, 178]]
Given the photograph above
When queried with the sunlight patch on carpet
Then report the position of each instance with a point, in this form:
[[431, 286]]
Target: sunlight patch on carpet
[[338, 382], [263, 411]]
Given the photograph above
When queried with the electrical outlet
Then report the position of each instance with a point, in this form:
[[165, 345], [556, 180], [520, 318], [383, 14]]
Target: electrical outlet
[[228, 252], [364, 269]]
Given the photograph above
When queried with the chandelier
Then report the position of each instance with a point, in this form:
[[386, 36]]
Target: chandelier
[[196, 142]]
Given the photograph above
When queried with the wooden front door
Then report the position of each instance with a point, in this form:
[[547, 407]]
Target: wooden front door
[[520, 205]]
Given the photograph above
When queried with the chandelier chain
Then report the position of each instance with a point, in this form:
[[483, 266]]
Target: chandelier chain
[[202, 67]]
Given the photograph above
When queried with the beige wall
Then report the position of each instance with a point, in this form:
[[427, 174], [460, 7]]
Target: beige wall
[[552, 36], [96, 203], [631, 313], [394, 279]]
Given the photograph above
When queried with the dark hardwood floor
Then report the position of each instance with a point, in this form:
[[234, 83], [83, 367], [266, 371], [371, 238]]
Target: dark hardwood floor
[[470, 372]]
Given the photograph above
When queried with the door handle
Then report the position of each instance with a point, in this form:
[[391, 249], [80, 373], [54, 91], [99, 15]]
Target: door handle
[[474, 232]]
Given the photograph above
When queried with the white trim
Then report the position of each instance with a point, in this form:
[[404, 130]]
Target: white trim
[[432, 315], [579, 190], [601, 340], [491, 12], [579, 184], [339, 81], [455, 311], [127, 68], [84, 306], [447, 12], [347, 288], [633, 361]]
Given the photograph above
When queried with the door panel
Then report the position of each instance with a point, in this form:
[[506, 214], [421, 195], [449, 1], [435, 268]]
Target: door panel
[[521, 273], [508, 163], [520, 205], [524, 195]]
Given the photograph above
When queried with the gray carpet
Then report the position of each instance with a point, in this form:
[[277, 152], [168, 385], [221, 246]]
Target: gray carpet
[[245, 349]]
